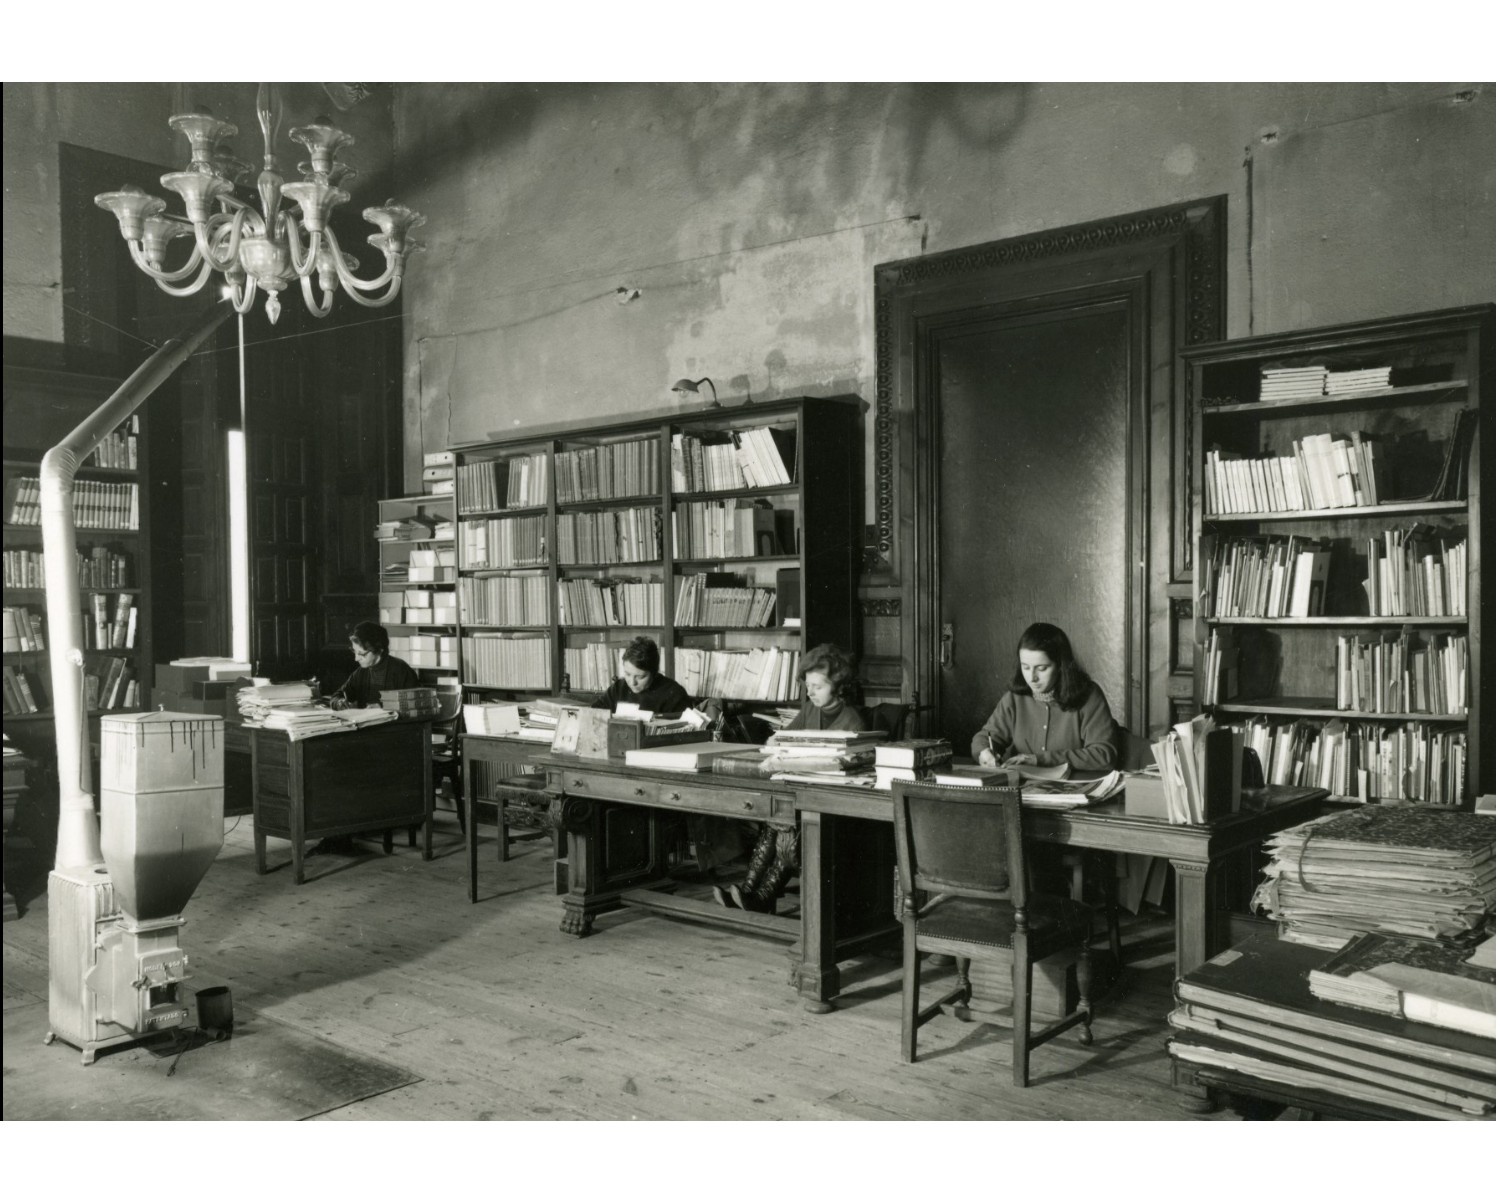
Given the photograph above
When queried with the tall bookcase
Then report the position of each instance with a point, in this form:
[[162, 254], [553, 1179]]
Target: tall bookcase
[[702, 530], [111, 507], [1343, 595], [416, 544]]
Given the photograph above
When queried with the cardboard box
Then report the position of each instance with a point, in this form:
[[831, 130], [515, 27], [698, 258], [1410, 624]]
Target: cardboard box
[[169, 678], [214, 689], [418, 574], [391, 616], [1145, 796], [160, 751]]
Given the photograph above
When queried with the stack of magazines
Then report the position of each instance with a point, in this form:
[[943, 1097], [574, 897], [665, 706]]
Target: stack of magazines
[[1417, 872]]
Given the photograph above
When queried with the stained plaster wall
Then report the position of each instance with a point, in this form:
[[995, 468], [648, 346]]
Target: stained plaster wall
[[750, 218]]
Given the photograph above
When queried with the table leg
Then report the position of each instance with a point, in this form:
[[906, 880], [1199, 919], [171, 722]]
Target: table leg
[[818, 972], [260, 851], [388, 840], [1195, 916], [471, 842]]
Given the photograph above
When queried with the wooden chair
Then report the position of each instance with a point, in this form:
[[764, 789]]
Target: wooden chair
[[963, 873], [890, 717], [523, 813]]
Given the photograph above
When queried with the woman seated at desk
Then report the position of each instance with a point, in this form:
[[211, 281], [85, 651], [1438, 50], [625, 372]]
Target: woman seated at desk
[[641, 682], [827, 675], [1053, 713], [375, 670]]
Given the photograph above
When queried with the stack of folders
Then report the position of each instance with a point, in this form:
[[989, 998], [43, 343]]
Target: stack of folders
[[1436, 982], [1416, 872], [1200, 770], [818, 753], [1292, 383], [1250, 1014]]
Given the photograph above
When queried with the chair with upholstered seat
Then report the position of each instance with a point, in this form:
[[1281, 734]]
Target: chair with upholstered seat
[[964, 892]]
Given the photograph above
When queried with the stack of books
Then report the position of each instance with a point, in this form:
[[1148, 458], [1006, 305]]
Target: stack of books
[[914, 759], [415, 703], [1438, 983], [818, 752], [1291, 383], [1416, 872], [1367, 379], [1250, 1014]]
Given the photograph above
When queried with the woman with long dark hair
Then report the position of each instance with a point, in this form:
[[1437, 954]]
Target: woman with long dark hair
[[1053, 713]]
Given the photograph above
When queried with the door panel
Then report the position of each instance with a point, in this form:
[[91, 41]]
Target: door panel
[[1034, 492]]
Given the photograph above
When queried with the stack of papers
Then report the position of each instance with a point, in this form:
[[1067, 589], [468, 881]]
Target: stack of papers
[[1071, 793], [1370, 379], [1200, 768], [258, 702], [693, 756], [821, 751], [1420, 872], [1290, 383]]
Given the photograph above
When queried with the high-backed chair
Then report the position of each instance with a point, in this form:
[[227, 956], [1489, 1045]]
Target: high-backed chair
[[963, 875], [890, 718]]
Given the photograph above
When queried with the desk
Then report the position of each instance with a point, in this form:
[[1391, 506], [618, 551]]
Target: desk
[[488, 759], [612, 816], [377, 778]]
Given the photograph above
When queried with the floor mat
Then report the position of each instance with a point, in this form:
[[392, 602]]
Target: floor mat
[[267, 1071]]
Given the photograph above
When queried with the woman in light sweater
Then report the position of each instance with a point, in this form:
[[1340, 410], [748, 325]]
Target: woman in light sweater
[[1053, 713]]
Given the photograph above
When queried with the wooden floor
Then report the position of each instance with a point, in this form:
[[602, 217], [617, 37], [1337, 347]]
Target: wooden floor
[[506, 1018]]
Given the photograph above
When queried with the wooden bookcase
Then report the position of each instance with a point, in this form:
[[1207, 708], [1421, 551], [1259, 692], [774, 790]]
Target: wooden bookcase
[[423, 636], [1282, 672], [574, 539]]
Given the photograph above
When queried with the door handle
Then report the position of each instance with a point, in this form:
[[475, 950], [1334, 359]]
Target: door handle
[[945, 645]]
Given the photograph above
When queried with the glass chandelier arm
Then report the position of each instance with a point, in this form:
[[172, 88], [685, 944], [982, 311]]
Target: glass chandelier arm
[[303, 265], [353, 284], [317, 310], [186, 289], [160, 277], [242, 301], [377, 301], [228, 242]]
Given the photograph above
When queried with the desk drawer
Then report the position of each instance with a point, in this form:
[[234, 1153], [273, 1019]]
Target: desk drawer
[[608, 787], [689, 797]]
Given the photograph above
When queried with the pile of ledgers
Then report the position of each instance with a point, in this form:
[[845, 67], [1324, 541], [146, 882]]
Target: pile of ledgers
[[1420, 872], [257, 702], [290, 708]]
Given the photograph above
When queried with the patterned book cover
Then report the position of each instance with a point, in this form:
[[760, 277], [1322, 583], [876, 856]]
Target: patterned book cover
[[1377, 949], [1462, 833]]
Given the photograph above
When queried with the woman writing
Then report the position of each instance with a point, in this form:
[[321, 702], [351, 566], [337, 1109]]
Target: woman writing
[[641, 682], [375, 670], [827, 675], [1052, 714]]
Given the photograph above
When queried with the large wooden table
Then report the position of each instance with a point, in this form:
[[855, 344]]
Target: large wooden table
[[615, 818], [375, 779]]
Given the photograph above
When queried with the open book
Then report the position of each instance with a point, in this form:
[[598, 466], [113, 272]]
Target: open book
[[1071, 793]]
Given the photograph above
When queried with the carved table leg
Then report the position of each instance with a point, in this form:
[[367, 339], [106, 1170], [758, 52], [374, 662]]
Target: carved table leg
[[1195, 916]]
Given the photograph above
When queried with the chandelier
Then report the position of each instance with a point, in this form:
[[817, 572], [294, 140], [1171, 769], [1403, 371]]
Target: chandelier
[[261, 250]]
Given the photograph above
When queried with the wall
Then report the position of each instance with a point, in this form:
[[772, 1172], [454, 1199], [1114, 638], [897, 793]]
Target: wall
[[750, 218]]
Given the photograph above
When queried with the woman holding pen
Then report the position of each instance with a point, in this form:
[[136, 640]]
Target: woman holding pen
[[1053, 713]]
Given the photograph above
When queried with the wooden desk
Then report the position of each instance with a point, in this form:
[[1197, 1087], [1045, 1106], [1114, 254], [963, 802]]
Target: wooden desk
[[488, 759], [377, 778], [1196, 852]]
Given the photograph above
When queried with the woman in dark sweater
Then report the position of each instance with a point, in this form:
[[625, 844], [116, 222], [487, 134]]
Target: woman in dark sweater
[[827, 675], [642, 683], [1053, 713], [375, 670]]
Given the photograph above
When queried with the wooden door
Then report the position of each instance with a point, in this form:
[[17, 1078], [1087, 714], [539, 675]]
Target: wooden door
[[1035, 498], [1032, 459]]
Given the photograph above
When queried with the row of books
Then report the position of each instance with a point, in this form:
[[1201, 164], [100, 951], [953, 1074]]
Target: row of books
[[1308, 380], [1322, 472], [1402, 671], [519, 482], [609, 601], [1417, 572], [504, 600], [96, 504], [732, 529], [19, 697], [116, 686], [508, 661], [723, 598], [730, 459], [1266, 576], [101, 567], [104, 629], [1361, 760], [504, 542], [764, 673], [593, 667], [24, 630], [615, 471], [119, 450], [616, 536]]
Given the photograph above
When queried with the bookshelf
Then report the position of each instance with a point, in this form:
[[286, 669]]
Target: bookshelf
[[112, 528], [418, 575], [1342, 593], [701, 530]]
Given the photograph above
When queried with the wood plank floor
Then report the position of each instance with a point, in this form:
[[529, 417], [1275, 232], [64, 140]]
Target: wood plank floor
[[505, 1018]]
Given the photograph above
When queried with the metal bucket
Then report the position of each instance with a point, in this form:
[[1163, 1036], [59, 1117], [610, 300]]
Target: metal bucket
[[216, 1011]]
